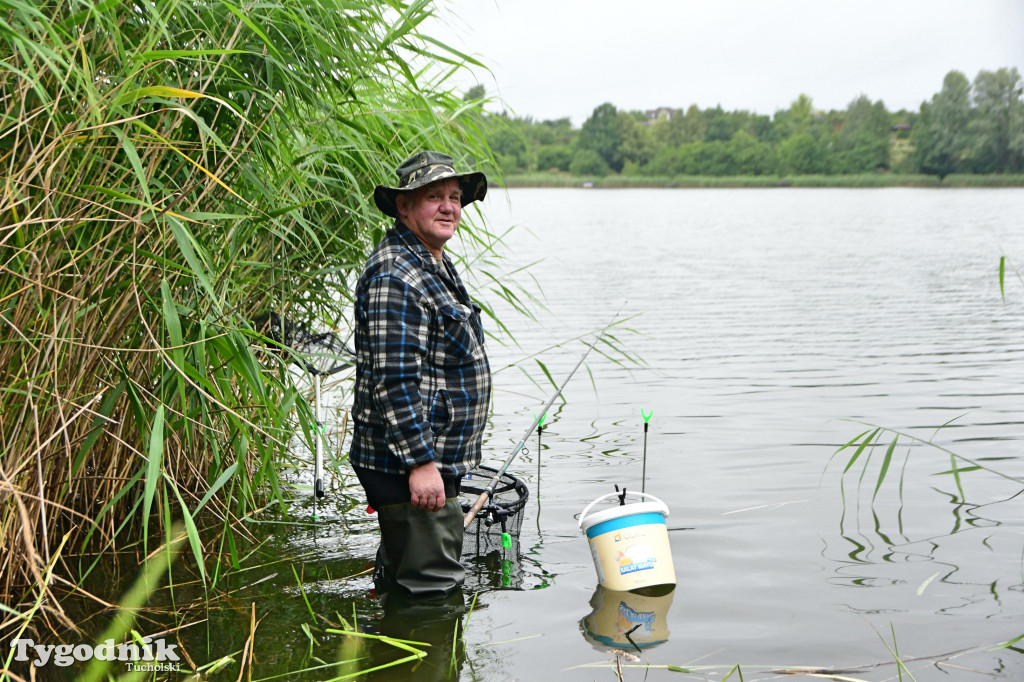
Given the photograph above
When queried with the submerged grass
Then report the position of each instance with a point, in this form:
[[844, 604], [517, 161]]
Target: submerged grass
[[865, 443], [763, 672], [415, 650]]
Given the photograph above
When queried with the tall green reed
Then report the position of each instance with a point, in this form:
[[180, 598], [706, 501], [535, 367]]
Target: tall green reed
[[173, 169]]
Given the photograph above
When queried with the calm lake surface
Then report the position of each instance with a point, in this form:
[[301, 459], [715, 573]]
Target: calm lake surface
[[770, 324]]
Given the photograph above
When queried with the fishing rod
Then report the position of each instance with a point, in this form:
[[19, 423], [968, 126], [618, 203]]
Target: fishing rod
[[489, 490], [319, 426], [318, 463]]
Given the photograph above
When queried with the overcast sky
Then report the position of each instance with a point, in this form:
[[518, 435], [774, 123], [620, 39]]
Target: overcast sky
[[555, 58]]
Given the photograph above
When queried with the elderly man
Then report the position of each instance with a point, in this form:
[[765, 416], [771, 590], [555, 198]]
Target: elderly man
[[423, 383]]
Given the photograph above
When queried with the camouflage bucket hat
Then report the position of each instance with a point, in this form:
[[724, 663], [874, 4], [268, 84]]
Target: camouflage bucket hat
[[423, 168]]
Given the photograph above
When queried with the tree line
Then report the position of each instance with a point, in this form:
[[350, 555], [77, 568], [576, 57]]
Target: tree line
[[967, 127]]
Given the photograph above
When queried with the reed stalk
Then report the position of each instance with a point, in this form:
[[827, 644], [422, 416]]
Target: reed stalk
[[171, 170]]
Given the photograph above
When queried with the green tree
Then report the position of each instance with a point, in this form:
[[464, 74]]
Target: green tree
[[997, 100], [762, 128], [802, 154], [539, 134], [720, 125], [1017, 132], [797, 118], [749, 156], [637, 144], [941, 138], [588, 162], [561, 130], [714, 158], [602, 133], [556, 156], [863, 144], [474, 93], [687, 159], [666, 129], [694, 126], [508, 143], [662, 164]]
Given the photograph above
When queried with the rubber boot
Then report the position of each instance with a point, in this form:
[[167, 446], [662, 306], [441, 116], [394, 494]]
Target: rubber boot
[[420, 552]]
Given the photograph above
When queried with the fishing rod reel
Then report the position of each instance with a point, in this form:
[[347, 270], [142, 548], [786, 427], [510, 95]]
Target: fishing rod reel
[[501, 518], [492, 514]]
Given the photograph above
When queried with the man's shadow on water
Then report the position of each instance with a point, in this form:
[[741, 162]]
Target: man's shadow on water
[[435, 622]]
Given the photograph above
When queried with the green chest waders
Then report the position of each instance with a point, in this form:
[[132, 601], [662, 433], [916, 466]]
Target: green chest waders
[[420, 552]]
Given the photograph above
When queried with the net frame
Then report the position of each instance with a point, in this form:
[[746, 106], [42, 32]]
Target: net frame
[[502, 514]]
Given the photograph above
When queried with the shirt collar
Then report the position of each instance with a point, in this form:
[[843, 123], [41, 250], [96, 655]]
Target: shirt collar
[[413, 243]]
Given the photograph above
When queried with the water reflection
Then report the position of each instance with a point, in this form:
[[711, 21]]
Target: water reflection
[[628, 620], [431, 625], [495, 570], [765, 317]]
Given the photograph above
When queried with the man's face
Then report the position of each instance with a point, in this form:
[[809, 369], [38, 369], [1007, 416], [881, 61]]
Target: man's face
[[432, 212]]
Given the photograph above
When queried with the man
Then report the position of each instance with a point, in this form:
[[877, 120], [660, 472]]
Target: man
[[423, 383]]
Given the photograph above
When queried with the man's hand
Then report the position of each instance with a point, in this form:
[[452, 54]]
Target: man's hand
[[426, 487]]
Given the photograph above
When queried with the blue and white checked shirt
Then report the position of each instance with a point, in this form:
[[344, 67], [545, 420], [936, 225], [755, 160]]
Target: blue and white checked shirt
[[423, 384]]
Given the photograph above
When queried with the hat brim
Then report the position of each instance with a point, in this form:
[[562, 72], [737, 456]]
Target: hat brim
[[473, 185]]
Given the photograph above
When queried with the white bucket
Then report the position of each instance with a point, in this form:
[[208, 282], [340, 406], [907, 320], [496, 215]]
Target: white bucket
[[629, 544]]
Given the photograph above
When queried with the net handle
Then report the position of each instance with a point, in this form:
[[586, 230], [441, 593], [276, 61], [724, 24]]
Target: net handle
[[618, 494]]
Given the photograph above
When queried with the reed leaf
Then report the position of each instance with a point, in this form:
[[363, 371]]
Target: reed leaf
[[1002, 277], [885, 467], [1010, 643], [864, 443], [136, 597], [172, 171], [155, 459]]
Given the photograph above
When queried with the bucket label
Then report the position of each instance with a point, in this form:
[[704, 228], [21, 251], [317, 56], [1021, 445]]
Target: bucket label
[[638, 557], [629, 618]]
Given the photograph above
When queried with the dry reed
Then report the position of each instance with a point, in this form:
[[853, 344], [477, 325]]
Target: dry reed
[[170, 171]]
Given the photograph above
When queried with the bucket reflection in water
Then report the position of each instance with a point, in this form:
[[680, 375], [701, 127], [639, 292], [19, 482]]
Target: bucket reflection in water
[[629, 543], [618, 617]]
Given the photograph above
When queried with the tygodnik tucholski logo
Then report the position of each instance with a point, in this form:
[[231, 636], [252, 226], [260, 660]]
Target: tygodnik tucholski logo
[[150, 655]]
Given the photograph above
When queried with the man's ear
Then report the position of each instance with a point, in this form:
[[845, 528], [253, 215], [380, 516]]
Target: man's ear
[[401, 203]]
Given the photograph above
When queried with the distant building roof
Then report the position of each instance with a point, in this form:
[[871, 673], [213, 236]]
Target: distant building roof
[[654, 114]]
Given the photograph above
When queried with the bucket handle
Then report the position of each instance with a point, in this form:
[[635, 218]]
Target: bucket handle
[[617, 494]]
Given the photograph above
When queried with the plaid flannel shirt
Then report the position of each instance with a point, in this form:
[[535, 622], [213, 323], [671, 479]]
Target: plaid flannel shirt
[[423, 384]]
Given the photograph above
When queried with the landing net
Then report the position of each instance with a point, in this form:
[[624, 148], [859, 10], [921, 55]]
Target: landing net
[[502, 515], [318, 353]]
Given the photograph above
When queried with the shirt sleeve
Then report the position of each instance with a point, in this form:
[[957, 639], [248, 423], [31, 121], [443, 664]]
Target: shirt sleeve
[[398, 326]]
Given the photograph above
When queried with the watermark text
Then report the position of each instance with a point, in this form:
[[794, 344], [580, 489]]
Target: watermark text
[[149, 655]]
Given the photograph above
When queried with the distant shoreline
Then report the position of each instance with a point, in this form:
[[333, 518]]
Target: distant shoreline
[[757, 181]]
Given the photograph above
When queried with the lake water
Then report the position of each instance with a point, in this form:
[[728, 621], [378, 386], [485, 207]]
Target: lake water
[[770, 324]]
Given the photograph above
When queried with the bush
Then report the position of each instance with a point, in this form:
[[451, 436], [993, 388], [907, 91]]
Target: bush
[[589, 162], [554, 157]]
